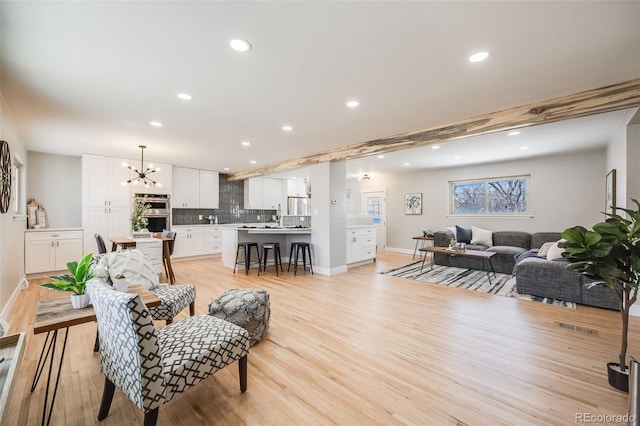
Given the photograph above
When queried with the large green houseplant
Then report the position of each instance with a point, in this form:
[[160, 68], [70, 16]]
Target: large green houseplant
[[610, 255], [76, 282]]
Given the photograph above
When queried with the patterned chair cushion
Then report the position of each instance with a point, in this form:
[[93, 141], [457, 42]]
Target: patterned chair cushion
[[134, 266], [174, 299], [246, 307], [197, 347]]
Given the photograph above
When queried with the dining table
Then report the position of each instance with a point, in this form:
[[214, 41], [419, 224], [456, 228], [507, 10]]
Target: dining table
[[127, 242]]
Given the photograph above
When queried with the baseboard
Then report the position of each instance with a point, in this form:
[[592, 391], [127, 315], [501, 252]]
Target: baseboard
[[399, 250], [22, 285], [330, 271]]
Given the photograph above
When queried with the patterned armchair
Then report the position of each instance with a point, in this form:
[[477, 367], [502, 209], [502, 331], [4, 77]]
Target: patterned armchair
[[137, 269], [150, 365]]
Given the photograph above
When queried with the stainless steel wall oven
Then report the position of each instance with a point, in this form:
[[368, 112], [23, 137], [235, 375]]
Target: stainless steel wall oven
[[158, 211]]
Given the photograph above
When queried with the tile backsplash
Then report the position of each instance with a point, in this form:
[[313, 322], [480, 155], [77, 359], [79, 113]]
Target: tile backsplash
[[230, 208]]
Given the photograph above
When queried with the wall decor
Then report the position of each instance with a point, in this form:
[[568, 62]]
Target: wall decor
[[5, 177], [610, 193], [413, 203]]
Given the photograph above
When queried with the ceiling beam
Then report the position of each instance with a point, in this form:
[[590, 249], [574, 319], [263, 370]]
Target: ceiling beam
[[596, 101]]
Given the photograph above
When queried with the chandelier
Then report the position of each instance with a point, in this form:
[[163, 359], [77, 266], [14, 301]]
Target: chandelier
[[142, 173]]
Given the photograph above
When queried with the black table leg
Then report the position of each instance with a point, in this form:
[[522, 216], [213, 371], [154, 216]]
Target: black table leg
[[49, 351]]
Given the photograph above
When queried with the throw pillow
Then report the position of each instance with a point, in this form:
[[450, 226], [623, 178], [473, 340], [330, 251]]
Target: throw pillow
[[482, 237], [555, 252], [134, 266], [463, 235], [544, 249], [452, 229]]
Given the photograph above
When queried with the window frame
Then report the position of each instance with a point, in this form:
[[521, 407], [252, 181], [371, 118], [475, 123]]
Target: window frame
[[524, 215]]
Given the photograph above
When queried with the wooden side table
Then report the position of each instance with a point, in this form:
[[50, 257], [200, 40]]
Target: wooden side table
[[422, 241]]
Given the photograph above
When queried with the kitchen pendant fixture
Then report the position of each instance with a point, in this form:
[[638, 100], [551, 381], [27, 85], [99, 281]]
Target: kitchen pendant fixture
[[142, 173]]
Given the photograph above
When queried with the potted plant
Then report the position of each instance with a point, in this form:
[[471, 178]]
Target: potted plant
[[138, 219], [76, 283], [610, 254]]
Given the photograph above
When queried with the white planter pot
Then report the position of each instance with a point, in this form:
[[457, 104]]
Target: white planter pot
[[80, 301]]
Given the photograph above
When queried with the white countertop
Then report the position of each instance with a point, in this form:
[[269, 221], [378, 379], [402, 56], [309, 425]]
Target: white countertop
[[52, 229]]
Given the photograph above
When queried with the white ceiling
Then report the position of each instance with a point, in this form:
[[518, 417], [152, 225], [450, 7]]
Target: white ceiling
[[89, 76]]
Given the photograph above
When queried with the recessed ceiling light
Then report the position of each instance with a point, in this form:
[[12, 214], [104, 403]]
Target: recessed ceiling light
[[407, 164], [353, 104], [457, 157], [479, 56], [287, 128], [380, 156], [524, 147], [514, 133], [253, 162], [184, 96], [240, 45], [435, 147], [155, 123], [226, 169], [246, 143]]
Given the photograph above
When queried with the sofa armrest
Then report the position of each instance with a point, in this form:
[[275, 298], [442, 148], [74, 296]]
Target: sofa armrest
[[442, 238]]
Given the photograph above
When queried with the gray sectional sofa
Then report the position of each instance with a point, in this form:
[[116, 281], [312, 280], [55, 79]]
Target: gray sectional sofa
[[535, 276]]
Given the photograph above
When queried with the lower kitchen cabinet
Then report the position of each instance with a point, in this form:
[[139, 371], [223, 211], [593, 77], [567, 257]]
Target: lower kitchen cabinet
[[198, 240], [50, 250], [361, 244]]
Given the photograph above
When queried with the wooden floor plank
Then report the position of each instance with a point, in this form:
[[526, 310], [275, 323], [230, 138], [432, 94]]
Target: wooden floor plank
[[362, 348]]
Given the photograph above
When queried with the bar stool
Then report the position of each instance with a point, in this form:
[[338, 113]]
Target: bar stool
[[246, 248], [277, 256], [295, 249]]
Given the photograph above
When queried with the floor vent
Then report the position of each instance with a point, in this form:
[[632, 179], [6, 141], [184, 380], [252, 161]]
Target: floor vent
[[576, 328]]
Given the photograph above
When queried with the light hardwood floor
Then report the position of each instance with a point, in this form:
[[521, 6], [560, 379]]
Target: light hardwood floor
[[362, 348]]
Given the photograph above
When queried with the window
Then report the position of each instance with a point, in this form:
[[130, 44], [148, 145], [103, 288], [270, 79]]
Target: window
[[496, 196], [374, 209]]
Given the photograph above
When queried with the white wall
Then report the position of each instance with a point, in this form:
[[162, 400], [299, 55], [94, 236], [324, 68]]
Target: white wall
[[55, 183], [565, 190], [11, 229], [633, 163]]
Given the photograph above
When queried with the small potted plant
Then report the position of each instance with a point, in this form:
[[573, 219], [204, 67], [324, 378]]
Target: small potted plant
[[610, 255], [76, 283]]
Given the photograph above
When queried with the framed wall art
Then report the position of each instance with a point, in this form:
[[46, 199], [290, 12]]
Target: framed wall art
[[413, 203]]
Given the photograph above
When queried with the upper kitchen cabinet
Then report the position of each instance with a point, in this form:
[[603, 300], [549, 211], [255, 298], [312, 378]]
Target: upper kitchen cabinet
[[262, 193], [102, 179], [193, 189], [296, 188], [209, 190]]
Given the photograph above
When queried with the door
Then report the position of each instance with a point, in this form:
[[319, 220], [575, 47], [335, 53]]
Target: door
[[374, 203]]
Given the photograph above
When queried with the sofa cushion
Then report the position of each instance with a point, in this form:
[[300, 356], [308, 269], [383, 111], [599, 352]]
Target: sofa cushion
[[481, 236], [507, 250], [539, 238], [512, 238], [463, 235], [478, 247], [555, 252]]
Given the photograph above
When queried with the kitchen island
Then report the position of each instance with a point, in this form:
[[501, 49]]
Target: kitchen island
[[285, 236]]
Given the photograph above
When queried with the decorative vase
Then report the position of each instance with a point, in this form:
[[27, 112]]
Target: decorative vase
[[617, 378], [79, 301]]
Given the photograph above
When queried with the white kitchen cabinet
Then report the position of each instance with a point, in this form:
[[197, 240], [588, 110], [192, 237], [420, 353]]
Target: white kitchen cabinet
[[361, 244], [296, 188], [193, 189], [189, 241], [47, 251], [262, 193], [213, 240], [152, 249], [186, 188], [209, 192], [106, 202]]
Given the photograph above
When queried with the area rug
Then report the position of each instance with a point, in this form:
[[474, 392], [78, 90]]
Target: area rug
[[469, 279]]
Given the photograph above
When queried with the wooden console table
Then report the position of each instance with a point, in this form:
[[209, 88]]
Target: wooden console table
[[485, 256], [56, 314]]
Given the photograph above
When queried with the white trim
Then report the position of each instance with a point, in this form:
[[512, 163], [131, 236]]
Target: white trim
[[22, 285], [400, 250], [330, 271]]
